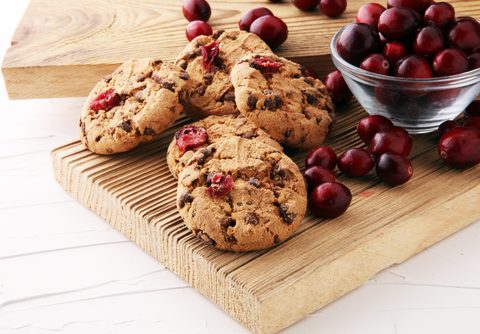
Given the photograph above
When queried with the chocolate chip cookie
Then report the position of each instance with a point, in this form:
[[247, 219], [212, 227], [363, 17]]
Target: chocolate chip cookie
[[244, 195], [273, 92], [199, 135], [135, 103], [208, 61]]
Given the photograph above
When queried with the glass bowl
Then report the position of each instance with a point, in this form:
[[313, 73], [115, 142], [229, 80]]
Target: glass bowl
[[418, 105]]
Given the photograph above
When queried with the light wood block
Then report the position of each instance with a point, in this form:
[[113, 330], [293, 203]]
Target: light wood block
[[269, 290]]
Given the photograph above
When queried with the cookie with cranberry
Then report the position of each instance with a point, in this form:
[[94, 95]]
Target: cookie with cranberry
[[273, 92], [201, 134], [208, 61], [243, 195], [135, 103]]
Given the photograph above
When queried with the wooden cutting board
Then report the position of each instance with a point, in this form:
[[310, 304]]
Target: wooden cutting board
[[62, 47], [269, 290]]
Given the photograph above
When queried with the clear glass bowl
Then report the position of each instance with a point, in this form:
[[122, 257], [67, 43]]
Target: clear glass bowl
[[418, 105]]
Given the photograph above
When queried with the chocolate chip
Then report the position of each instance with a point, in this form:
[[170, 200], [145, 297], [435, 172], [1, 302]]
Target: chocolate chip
[[208, 78], [168, 84], [251, 218], [137, 132], [97, 139], [288, 133], [228, 96], [183, 64], [200, 90], [227, 222], [286, 216], [205, 238], [251, 101], [148, 132], [217, 34], [183, 75], [278, 101], [230, 239], [156, 62], [269, 103], [276, 239], [204, 154], [157, 78], [254, 182], [126, 126], [278, 170], [318, 119], [296, 76], [141, 77], [311, 99], [249, 135], [184, 199]]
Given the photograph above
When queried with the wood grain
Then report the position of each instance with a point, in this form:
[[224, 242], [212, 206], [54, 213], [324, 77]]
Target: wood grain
[[62, 47], [269, 290]]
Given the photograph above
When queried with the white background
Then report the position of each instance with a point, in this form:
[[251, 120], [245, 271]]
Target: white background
[[64, 270]]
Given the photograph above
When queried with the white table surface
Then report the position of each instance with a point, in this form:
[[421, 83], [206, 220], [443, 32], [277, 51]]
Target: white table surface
[[64, 270]]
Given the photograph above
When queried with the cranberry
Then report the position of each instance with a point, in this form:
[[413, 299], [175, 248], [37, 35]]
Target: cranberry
[[306, 5], [413, 66], [397, 23], [394, 140], [266, 66], [317, 175], [418, 6], [387, 96], [369, 14], [333, 8], [271, 29], [196, 10], [209, 54], [357, 41], [440, 14], [369, 126], [446, 126], [322, 156], [330, 200], [190, 137], [307, 71], [428, 42], [219, 185], [394, 169], [197, 28], [376, 63], [473, 109], [474, 61], [394, 51], [473, 122], [337, 87], [105, 100], [251, 15], [460, 147], [465, 35], [450, 62], [355, 162]]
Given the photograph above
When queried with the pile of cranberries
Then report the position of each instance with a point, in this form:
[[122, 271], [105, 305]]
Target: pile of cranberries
[[261, 22], [388, 150], [411, 39]]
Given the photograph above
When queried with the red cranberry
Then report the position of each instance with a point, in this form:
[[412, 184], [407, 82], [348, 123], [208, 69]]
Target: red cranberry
[[369, 126], [418, 6], [460, 147], [355, 162], [106, 100], [473, 122], [440, 14], [209, 54], [376, 63], [317, 175], [428, 42], [394, 169], [450, 62], [369, 14], [196, 10], [306, 5], [190, 137], [251, 15], [219, 185], [413, 66], [465, 35], [473, 109], [394, 51], [446, 126], [197, 28], [330, 200], [387, 96], [337, 87], [357, 41], [307, 71], [271, 29], [266, 65], [397, 23], [474, 61], [333, 8], [322, 156], [394, 140]]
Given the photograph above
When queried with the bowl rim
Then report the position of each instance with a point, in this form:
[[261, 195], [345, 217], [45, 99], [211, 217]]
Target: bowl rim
[[357, 71]]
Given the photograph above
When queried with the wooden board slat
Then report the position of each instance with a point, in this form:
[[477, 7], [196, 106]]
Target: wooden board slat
[[269, 290], [62, 47]]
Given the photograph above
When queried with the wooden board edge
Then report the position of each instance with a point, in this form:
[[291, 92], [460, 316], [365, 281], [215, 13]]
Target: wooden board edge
[[286, 306]]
